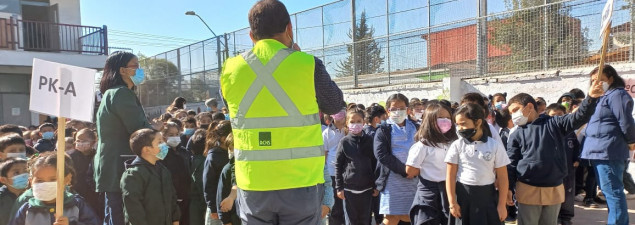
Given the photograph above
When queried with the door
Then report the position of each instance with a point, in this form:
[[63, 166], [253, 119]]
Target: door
[[15, 109]]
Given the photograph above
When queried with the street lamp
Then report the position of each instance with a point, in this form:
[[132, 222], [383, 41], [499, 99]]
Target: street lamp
[[192, 13]]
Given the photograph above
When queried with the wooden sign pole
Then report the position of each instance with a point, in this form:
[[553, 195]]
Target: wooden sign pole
[[61, 154], [605, 43]]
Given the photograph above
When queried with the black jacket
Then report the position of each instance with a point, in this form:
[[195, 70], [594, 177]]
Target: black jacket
[[180, 171], [536, 150], [224, 189], [354, 168], [387, 162], [44, 145], [216, 159]]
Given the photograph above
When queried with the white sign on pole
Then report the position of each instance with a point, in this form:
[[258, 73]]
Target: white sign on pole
[[62, 90], [607, 14]]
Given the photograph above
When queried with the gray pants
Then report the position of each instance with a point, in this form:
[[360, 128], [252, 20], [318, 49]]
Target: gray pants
[[538, 214], [282, 207]]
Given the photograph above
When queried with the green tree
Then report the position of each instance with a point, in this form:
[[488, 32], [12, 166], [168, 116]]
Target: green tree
[[539, 37], [160, 86], [367, 55]]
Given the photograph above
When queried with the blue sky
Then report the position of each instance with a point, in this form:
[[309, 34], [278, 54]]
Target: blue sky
[[167, 18]]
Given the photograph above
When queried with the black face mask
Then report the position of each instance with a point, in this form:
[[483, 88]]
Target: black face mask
[[468, 133], [204, 126]]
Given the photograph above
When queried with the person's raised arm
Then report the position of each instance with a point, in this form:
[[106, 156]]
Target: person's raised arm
[[575, 120]]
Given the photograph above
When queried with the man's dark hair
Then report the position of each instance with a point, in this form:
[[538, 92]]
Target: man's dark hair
[[142, 138], [579, 94], [555, 107], [523, 99], [8, 140], [10, 128], [46, 125], [218, 116], [268, 18]]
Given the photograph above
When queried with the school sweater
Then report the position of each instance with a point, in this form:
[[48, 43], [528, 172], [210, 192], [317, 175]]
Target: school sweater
[[7, 199], [224, 189], [216, 159], [354, 168], [37, 212]]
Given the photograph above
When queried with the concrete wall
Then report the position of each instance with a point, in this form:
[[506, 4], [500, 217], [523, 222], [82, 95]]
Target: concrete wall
[[548, 84], [25, 58], [69, 11]]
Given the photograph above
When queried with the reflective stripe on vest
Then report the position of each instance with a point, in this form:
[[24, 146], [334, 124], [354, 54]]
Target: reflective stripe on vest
[[279, 154]]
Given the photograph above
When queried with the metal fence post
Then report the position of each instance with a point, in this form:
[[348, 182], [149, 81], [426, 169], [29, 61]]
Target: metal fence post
[[388, 39], [178, 67], [353, 52], [481, 38], [631, 55], [545, 36], [429, 42], [218, 55], [105, 38]]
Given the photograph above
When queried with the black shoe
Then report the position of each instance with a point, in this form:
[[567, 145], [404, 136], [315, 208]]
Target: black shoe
[[589, 203], [599, 200], [566, 222]]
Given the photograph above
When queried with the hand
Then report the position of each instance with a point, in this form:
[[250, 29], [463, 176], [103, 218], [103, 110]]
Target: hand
[[596, 90], [325, 211], [61, 221], [214, 216], [631, 147], [296, 47], [455, 210], [502, 212], [411, 176], [576, 164], [175, 223], [227, 204], [375, 193], [510, 198], [340, 194]]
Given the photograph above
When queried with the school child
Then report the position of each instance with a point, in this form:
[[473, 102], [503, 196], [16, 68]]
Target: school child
[[354, 170], [474, 162], [217, 158], [47, 142], [328, 199], [203, 120], [178, 165], [331, 137], [572, 150], [198, 208], [15, 177], [498, 101], [41, 208], [426, 160], [12, 146], [82, 156], [538, 165], [226, 192], [148, 192], [504, 121], [189, 127], [391, 146], [375, 116]]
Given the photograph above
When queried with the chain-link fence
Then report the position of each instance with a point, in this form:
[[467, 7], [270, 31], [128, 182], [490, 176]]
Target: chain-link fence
[[404, 42]]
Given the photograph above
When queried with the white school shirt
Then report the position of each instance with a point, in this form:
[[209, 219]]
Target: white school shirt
[[331, 137], [477, 160], [429, 160]]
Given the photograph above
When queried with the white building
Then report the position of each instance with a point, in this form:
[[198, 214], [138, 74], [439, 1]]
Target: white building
[[44, 29]]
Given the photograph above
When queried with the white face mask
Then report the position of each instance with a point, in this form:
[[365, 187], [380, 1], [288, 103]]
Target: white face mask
[[174, 141], [518, 118], [19, 155], [605, 86], [45, 191], [398, 116], [418, 116], [184, 106]]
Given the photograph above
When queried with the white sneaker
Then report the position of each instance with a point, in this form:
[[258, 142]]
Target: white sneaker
[[579, 198]]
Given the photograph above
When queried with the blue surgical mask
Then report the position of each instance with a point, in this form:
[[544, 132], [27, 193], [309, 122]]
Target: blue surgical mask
[[20, 181], [226, 116], [48, 135], [383, 122], [209, 109], [138, 77], [163, 151], [189, 131]]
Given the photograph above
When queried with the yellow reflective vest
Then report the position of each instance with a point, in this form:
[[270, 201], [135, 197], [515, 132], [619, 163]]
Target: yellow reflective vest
[[270, 95]]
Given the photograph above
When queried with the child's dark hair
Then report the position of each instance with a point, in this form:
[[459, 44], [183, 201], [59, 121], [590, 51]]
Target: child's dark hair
[[7, 164], [216, 133], [229, 141], [609, 71], [190, 121], [502, 118], [90, 133], [204, 114], [218, 116], [69, 132], [397, 97], [165, 117], [46, 125], [10, 128], [177, 122], [475, 98], [11, 139], [474, 112], [142, 138], [374, 111], [354, 111], [50, 159], [503, 95], [191, 113], [198, 142], [167, 126], [523, 99], [430, 134], [579, 94], [555, 107]]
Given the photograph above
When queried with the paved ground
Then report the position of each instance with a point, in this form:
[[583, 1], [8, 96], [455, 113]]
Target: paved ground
[[584, 216]]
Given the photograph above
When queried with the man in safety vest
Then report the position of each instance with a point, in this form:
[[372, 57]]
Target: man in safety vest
[[274, 94]]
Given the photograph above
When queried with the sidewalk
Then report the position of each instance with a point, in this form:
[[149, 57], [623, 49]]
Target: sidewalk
[[585, 216]]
